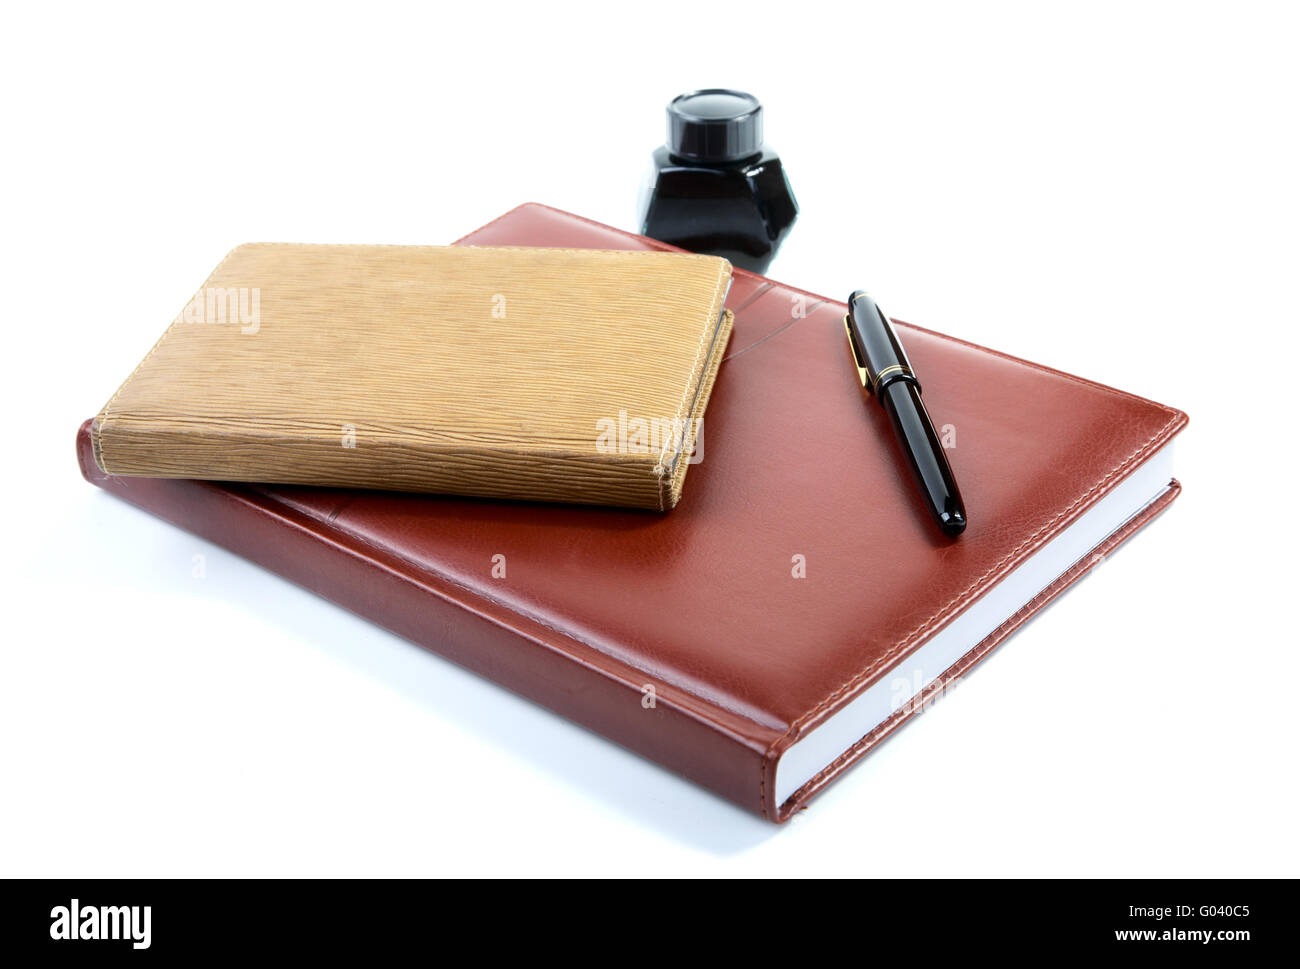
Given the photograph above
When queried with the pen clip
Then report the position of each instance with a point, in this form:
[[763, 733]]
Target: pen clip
[[857, 357]]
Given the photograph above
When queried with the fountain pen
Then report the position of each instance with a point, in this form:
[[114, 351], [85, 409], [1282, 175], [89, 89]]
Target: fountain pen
[[885, 371]]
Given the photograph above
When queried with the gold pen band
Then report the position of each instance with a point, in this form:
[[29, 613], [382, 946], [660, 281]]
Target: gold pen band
[[875, 384], [863, 375]]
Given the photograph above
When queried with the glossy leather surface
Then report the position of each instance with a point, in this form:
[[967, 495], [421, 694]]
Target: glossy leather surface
[[703, 604]]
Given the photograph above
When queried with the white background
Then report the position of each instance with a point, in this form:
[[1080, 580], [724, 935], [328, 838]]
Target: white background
[[1109, 189]]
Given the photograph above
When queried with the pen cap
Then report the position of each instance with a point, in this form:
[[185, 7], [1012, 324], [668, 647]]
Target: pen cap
[[876, 344]]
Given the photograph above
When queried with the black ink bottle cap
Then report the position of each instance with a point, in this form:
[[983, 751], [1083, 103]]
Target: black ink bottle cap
[[716, 187], [715, 125]]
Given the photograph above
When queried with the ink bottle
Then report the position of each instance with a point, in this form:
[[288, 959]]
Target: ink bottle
[[714, 187]]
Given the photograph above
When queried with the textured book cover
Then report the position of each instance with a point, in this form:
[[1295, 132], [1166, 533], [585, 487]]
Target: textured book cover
[[549, 374]]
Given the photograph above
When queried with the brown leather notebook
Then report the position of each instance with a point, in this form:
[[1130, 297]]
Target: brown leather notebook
[[799, 607]]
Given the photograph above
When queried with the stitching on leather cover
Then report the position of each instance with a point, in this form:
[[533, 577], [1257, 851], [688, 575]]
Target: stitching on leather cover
[[960, 600], [951, 608], [818, 781]]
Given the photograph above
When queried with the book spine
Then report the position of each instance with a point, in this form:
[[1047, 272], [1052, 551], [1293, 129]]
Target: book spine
[[301, 453], [676, 730]]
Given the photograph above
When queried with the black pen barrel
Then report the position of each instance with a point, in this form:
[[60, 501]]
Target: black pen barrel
[[902, 402]]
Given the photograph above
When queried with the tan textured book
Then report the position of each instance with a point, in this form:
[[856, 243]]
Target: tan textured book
[[550, 374]]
